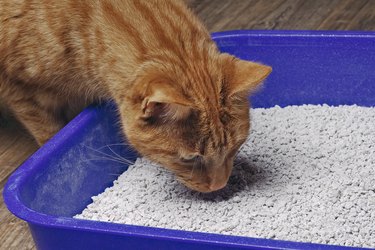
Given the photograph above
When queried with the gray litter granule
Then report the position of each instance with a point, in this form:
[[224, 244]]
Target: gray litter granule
[[306, 173]]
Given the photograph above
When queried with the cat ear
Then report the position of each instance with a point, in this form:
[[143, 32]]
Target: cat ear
[[161, 101], [165, 104], [245, 76]]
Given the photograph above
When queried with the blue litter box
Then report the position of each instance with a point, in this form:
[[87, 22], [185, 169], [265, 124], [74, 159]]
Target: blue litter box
[[55, 183]]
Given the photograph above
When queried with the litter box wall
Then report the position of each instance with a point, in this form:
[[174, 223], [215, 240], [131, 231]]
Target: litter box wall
[[309, 67], [58, 180]]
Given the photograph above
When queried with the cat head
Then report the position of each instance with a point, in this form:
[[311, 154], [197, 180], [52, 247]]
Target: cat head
[[192, 119]]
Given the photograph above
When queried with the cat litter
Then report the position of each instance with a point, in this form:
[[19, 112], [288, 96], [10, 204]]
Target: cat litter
[[306, 173]]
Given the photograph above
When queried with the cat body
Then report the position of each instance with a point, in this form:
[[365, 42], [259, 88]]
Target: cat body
[[181, 102]]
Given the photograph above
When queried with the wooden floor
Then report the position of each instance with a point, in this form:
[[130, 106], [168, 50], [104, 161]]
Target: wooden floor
[[16, 145]]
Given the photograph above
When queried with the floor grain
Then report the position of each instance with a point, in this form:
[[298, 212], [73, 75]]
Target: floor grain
[[16, 145]]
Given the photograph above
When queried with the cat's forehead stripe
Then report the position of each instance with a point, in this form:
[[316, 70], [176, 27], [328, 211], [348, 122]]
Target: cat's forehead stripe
[[158, 30], [118, 19]]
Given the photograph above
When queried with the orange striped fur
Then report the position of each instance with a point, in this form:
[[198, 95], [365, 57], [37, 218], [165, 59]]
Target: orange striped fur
[[181, 102]]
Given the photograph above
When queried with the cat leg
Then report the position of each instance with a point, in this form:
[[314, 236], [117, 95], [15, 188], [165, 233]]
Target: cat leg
[[41, 123], [36, 110]]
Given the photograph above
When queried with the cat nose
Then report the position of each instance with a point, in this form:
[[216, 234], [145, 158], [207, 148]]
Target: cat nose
[[216, 185]]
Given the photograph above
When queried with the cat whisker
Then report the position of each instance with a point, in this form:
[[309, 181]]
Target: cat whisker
[[98, 151], [115, 144], [119, 156], [111, 157], [239, 163]]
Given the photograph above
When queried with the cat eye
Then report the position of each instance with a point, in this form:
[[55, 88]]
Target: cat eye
[[190, 158]]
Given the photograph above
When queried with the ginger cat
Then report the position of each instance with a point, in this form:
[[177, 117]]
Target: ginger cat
[[181, 102]]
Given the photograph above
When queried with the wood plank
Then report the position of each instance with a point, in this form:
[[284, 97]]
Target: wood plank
[[14, 233], [16, 145], [219, 17], [285, 14], [241, 17], [342, 17], [23, 147], [195, 5], [308, 15], [269, 16], [365, 18]]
